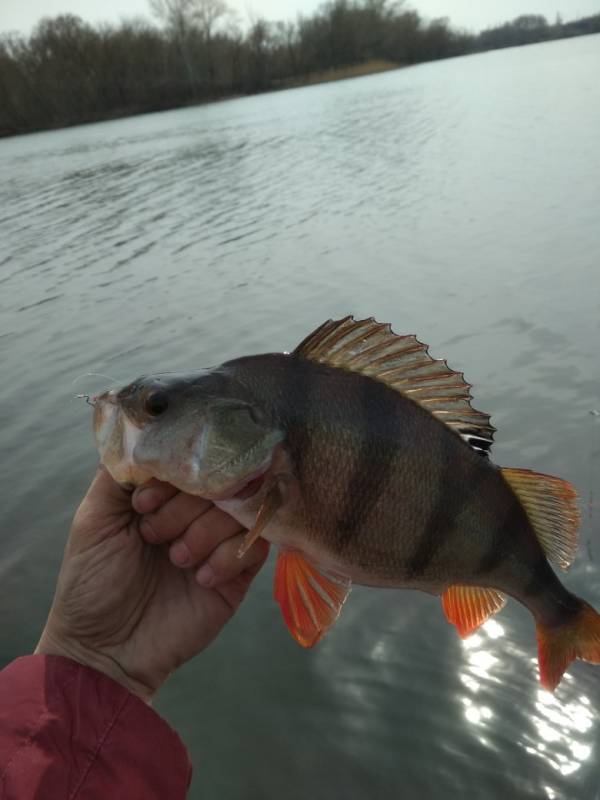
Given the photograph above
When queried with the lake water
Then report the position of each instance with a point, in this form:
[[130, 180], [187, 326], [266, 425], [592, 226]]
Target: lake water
[[458, 200]]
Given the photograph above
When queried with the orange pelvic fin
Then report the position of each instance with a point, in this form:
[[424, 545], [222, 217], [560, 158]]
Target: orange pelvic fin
[[270, 504], [551, 505], [557, 647], [468, 607], [310, 598]]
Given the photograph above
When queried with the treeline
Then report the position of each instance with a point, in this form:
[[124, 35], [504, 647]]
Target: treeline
[[532, 28], [68, 72]]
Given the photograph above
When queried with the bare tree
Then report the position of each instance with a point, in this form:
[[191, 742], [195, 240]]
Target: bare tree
[[173, 13], [181, 15], [186, 17], [67, 71], [176, 15], [206, 14]]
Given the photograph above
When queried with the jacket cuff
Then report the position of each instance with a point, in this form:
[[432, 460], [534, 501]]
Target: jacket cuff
[[72, 731]]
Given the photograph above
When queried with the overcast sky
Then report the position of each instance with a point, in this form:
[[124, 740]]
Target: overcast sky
[[21, 15]]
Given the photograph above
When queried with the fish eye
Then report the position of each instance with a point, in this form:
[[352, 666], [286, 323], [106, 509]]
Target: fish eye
[[256, 415], [157, 403]]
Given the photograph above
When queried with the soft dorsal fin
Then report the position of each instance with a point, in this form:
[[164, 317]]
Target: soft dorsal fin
[[551, 505], [404, 364]]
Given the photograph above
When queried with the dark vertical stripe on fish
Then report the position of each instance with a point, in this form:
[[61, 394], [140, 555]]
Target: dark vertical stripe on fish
[[501, 541], [452, 498], [297, 387], [373, 469]]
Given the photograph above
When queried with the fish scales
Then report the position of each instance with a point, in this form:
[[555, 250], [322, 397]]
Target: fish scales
[[386, 486], [362, 459]]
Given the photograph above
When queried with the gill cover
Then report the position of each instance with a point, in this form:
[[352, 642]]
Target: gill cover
[[236, 445]]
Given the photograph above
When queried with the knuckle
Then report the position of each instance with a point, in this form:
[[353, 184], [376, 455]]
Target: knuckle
[[195, 538], [200, 504], [234, 564], [224, 566], [148, 498], [148, 531]]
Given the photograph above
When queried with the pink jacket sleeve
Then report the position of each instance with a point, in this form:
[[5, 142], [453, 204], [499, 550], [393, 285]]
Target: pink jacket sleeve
[[68, 732]]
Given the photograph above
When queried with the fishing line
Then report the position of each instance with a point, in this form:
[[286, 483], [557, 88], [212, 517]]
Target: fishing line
[[594, 452], [89, 399], [94, 375]]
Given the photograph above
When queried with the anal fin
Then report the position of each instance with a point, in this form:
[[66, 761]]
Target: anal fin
[[310, 598], [468, 607]]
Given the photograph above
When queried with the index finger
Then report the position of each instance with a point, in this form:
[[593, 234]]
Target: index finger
[[171, 520], [151, 496]]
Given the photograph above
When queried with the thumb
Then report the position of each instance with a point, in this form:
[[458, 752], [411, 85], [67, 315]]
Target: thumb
[[105, 509], [104, 490]]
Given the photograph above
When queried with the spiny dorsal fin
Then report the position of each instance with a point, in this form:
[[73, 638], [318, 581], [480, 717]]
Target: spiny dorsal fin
[[404, 364], [551, 505], [468, 607]]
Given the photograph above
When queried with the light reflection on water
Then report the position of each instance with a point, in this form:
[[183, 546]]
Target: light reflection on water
[[563, 726], [481, 663], [564, 731]]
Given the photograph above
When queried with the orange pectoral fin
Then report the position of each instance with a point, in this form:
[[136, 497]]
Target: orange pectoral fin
[[310, 598], [468, 607], [268, 509]]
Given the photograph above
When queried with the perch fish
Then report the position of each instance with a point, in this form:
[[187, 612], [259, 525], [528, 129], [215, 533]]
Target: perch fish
[[361, 458]]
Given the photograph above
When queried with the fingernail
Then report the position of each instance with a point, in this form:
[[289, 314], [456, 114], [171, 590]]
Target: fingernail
[[205, 575], [180, 554], [146, 500]]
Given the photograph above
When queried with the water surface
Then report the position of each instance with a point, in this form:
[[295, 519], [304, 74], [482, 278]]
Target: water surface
[[459, 201]]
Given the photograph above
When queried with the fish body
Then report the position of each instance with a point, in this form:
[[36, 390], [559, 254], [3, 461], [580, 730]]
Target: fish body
[[361, 457], [379, 488]]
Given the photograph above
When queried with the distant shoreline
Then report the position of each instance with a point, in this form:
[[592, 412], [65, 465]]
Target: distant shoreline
[[338, 74], [372, 67], [61, 77]]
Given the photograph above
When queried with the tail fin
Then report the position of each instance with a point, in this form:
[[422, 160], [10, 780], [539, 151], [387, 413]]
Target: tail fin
[[557, 647]]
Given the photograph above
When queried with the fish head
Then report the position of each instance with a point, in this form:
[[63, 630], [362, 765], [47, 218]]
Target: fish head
[[200, 432]]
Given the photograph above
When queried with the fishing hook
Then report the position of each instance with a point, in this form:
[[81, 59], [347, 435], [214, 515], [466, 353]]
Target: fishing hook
[[88, 399]]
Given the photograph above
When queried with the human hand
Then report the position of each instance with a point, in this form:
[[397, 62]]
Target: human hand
[[130, 605]]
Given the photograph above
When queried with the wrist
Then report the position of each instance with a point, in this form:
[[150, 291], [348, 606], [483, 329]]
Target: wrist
[[52, 645]]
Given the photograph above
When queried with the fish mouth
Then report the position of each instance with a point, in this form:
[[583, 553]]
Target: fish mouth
[[105, 417], [249, 485], [116, 438], [251, 488]]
